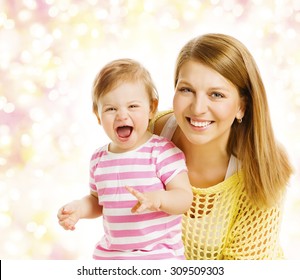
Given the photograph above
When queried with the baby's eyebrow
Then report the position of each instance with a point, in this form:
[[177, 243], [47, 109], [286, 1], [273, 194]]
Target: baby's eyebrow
[[134, 101], [108, 105]]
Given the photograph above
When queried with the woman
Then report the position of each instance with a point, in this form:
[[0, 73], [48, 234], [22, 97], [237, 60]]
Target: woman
[[239, 172]]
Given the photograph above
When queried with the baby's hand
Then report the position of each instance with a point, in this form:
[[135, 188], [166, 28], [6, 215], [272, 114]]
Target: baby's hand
[[69, 215], [146, 201]]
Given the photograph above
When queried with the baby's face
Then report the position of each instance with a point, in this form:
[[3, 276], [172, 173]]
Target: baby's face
[[124, 114]]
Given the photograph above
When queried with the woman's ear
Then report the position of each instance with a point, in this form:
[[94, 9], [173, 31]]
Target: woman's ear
[[241, 112], [239, 115]]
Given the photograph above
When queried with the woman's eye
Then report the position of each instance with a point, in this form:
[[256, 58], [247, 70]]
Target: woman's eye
[[185, 89], [217, 95]]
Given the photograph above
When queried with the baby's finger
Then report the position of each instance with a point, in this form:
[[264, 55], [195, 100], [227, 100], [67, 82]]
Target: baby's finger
[[62, 215], [140, 196], [135, 207], [141, 209], [63, 211], [67, 225], [59, 212], [67, 210]]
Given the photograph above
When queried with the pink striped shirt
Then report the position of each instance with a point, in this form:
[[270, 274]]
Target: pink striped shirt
[[149, 235]]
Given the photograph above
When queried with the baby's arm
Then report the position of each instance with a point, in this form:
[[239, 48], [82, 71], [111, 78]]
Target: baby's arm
[[84, 208], [176, 199]]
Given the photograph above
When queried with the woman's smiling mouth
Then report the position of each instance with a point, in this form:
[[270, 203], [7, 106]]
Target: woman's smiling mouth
[[201, 124]]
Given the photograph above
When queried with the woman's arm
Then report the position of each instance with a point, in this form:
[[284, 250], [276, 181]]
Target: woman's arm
[[255, 235], [157, 124]]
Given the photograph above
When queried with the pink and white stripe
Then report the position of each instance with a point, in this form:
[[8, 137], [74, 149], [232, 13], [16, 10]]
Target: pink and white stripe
[[149, 235]]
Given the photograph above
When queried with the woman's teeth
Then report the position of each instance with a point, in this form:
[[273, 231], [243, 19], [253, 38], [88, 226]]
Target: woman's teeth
[[199, 124]]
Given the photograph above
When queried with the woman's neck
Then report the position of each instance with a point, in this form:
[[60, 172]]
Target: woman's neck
[[207, 164]]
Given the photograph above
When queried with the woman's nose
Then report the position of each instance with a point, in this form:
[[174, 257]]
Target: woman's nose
[[200, 104]]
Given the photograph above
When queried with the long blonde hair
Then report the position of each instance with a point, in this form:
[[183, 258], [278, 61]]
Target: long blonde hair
[[265, 164]]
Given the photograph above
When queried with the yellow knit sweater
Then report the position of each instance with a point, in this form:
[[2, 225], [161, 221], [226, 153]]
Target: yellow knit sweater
[[223, 223]]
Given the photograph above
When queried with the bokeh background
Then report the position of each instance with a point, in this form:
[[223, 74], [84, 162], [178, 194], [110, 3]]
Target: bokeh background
[[50, 52]]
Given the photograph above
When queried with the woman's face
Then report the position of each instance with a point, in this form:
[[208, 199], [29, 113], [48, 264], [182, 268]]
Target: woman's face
[[205, 104]]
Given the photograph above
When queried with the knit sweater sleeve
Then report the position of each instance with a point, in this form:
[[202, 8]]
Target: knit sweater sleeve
[[255, 233], [156, 117]]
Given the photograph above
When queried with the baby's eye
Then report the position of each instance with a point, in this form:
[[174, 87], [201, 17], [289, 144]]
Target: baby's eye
[[133, 106], [110, 109]]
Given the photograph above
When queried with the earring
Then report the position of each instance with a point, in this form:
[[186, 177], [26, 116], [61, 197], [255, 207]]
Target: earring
[[239, 120]]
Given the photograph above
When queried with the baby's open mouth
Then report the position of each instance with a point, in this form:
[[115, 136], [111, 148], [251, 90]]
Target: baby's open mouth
[[124, 131]]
